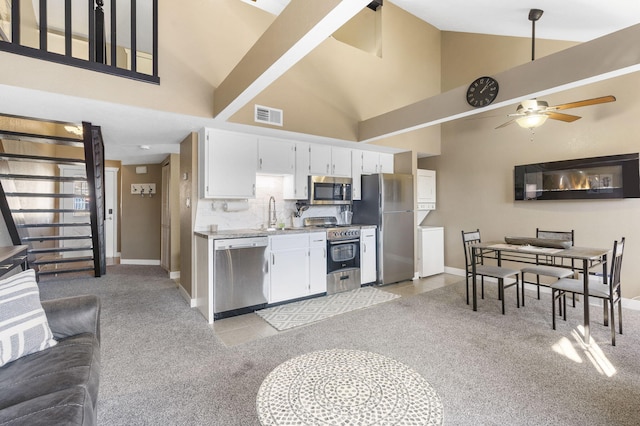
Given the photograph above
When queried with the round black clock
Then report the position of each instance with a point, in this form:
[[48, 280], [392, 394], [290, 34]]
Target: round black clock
[[482, 92]]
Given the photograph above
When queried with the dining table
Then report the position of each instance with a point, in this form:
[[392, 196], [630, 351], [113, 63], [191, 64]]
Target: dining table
[[585, 259]]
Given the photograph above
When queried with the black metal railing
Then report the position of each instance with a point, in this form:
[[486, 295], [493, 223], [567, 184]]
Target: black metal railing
[[90, 36]]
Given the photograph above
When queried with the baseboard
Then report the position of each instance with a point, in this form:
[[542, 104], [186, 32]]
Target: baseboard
[[454, 271], [148, 262], [190, 301]]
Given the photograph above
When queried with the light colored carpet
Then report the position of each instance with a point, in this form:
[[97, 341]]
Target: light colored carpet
[[308, 311], [347, 387], [163, 365]]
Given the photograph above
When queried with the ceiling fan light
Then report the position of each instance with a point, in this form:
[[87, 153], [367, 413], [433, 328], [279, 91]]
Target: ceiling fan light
[[531, 121]]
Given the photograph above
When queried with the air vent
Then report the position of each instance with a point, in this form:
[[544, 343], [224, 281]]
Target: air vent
[[268, 115]]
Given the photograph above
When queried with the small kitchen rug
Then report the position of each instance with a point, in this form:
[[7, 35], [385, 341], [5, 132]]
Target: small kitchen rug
[[307, 311], [347, 387]]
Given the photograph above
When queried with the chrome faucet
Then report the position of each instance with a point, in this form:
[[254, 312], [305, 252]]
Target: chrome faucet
[[272, 212]]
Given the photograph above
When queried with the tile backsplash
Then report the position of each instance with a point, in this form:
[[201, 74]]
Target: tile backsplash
[[255, 212]]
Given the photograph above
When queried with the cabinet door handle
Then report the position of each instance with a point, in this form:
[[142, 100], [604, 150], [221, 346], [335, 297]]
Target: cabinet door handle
[[254, 189], [261, 164], [364, 247], [325, 252], [273, 259]]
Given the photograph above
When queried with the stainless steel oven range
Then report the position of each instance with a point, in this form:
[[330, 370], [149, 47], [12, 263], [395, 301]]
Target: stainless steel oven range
[[343, 254]]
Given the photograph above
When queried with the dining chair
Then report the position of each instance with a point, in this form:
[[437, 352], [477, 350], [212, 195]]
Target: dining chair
[[493, 271], [547, 265], [609, 292]]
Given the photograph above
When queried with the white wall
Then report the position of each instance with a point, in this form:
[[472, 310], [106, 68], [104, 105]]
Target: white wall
[[257, 212]]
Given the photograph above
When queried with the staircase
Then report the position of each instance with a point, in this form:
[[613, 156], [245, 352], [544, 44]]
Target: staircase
[[59, 217]]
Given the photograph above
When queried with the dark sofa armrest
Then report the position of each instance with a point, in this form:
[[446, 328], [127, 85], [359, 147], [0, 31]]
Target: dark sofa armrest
[[73, 315]]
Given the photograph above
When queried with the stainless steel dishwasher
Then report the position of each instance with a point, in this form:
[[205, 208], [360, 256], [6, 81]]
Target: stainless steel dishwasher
[[240, 275]]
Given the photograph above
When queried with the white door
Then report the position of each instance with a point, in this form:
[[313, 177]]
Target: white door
[[111, 209]]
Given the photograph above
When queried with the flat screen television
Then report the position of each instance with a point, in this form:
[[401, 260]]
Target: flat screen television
[[613, 176]]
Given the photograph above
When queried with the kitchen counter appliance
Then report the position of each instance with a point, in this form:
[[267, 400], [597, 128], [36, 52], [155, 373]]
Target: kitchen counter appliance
[[387, 201], [329, 190], [240, 276], [343, 254]]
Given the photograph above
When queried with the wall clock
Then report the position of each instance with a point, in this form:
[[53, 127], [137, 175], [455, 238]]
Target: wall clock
[[482, 92]]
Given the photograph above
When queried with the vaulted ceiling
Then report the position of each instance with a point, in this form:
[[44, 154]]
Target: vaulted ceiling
[[299, 28]]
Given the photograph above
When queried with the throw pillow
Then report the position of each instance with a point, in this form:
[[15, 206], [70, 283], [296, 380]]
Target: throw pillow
[[24, 328]]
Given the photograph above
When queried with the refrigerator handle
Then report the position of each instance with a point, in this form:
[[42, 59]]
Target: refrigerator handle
[[380, 200]]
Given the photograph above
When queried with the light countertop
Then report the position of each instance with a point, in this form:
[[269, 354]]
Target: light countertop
[[247, 233]]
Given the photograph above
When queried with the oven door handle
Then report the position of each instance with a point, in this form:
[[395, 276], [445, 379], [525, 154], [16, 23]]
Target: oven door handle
[[344, 241]]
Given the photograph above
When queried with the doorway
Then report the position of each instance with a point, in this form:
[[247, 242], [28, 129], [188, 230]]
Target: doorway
[[80, 188]]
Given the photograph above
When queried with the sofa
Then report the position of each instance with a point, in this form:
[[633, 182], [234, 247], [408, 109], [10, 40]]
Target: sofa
[[57, 385]]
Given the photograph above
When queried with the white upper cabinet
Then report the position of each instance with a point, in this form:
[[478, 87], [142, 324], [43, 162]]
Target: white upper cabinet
[[320, 159], [296, 186], [227, 164], [276, 156], [376, 162], [386, 163], [370, 162], [426, 191], [326, 160], [340, 161], [366, 163], [356, 174]]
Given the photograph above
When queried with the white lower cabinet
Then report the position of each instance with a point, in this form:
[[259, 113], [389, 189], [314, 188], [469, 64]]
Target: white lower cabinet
[[288, 267], [430, 250], [368, 247], [297, 265], [317, 262]]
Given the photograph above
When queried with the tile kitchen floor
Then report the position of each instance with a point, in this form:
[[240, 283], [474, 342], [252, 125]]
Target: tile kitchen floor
[[246, 328]]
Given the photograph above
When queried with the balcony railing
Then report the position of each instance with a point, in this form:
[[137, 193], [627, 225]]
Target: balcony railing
[[118, 37]]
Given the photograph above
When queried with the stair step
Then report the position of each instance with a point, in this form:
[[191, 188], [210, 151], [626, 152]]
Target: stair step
[[41, 159], [48, 211], [58, 250], [42, 177], [57, 238], [51, 225], [39, 195], [64, 271], [62, 260]]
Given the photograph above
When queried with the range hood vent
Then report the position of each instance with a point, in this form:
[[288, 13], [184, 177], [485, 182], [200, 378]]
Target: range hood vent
[[268, 115]]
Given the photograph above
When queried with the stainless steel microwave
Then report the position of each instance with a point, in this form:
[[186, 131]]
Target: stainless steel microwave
[[329, 190]]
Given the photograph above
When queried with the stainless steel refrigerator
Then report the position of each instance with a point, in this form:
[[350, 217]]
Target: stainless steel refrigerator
[[387, 201]]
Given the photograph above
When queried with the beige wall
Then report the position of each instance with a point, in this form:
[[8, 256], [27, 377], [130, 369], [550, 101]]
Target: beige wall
[[467, 56], [475, 170], [326, 93], [140, 215], [172, 162], [188, 208], [337, 85]]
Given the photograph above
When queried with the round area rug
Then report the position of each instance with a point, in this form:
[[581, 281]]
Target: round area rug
[[346, 387]]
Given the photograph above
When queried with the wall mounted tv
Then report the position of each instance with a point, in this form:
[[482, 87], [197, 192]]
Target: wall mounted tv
[[613, 176]]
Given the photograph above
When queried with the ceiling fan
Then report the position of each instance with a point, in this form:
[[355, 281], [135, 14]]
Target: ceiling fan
[[533, 113]]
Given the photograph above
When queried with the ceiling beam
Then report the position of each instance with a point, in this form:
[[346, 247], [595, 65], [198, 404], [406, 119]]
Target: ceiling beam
[[599, 59], [299, 29]]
